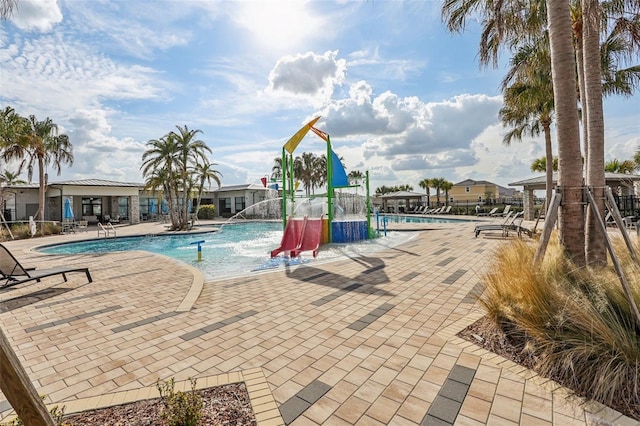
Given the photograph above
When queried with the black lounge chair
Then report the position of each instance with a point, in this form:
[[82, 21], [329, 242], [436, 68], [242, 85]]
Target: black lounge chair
[[505, 227], [13, 273]]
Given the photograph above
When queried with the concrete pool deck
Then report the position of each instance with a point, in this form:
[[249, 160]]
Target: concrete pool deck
[[366, 340]]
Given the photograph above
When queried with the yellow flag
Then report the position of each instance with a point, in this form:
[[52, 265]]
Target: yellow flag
[[292, 143]]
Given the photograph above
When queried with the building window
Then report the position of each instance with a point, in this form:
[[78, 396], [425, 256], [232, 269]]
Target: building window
[[240, 204], [92, 207], [123, 207], [225, 205], [467, 189]]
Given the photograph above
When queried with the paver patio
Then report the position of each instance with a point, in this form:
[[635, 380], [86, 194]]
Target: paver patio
[[367, 340]]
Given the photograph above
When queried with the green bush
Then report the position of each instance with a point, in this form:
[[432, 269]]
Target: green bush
[[207, 211], [180, 408]]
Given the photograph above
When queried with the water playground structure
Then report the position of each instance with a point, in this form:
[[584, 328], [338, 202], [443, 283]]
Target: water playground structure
[[335, 217]]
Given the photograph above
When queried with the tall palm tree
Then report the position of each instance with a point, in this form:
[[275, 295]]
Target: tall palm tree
[[38, 144], [528, 98], [596, 251], [191, 152], [158, 168], [304, 168], [426, 184], [446, 187], [205, 173], [563, 64], [437, 184]]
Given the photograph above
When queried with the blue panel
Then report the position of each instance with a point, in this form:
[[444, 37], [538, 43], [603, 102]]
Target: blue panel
[[349, 232], [339, 176]]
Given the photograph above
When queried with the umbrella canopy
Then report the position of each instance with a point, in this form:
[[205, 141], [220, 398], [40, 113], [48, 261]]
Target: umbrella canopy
[[152, 206], [68, 211]]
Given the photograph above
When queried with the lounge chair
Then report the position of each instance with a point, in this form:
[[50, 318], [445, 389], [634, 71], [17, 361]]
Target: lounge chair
[[505, 226], [491, 213], [435, 211], [445, 211], [13, 273], [504, 212]]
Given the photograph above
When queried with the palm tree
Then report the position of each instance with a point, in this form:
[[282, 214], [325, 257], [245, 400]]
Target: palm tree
[[446, 187], [191, 152], [276, 170], [563, 64], [355, 176], [159, 171], [44, 147], [426, 184], [437, 183], [528, 98], [616, 166], [205, 173], [540, 164], [304, 168], [10, 178]]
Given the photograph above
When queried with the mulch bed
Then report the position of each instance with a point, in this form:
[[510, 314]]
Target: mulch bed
[[512, 346], [223, 405]]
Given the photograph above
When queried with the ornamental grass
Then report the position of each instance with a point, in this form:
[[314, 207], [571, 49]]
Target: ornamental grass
[[574, 324]]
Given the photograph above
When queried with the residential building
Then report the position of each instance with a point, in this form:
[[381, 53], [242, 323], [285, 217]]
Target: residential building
[[95, 199], [480, 191]]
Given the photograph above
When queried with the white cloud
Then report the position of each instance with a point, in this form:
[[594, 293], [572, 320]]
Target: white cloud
[[50, 73], [309, 74], [37, 15]]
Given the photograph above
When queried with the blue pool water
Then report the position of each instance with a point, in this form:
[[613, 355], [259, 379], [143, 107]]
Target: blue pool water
[[421, 219], [237, 249]]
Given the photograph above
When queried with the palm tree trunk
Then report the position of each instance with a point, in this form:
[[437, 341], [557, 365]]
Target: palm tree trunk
[[42, 191], [563, 64], [596, 250], [546, 127]]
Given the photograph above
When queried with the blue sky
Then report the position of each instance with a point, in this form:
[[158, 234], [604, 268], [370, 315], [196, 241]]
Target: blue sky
[[399, 95]]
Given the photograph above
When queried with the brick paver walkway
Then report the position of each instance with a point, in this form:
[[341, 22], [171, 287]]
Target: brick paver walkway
[[367, 340]]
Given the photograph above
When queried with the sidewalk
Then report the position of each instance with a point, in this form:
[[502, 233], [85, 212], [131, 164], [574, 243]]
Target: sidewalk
[[368, 340]]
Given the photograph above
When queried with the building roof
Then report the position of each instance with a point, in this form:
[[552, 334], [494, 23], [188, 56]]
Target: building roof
[[97, 182], [245, 186], [403, 194], [471, 182], [617, 178]]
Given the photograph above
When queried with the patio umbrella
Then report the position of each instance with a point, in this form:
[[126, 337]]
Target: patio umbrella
[[68, 211], [152, 206]]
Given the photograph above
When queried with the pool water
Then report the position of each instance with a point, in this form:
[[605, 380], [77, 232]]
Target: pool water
[[420, 219], [238, 249]]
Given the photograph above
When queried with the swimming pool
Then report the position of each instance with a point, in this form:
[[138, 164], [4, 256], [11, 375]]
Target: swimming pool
[[421, 219], [236, 250]]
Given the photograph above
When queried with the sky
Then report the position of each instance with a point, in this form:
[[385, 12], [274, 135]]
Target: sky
[[399, 95]]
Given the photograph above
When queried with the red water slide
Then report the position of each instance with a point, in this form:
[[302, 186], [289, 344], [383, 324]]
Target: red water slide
[[291, 237], [311, 237]]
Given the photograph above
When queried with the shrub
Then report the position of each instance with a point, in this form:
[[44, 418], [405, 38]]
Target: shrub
[[21, 230], [577, 322], [207, 211], [180, 408]]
